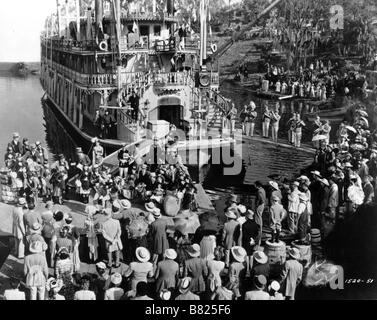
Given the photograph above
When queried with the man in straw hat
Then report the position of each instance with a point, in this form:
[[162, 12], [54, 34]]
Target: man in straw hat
[[275, 191], [16, 144], [165, 295], [185, 292], [36, 271], [258, 293], [115, 292], [31, 217], [102, 282], [273, 290], [277, 214], [293, 204], [261, 265], [141, 269], [260, 204], [196, 268], [167, 272], [249, 238], [112, 232], [18, 229], [291, 274], [35, 235], [303, 224], [237, 270], [228, 234], [158, 231]]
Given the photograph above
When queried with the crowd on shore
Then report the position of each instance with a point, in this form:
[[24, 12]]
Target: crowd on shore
[[143, 231], [319, 81]]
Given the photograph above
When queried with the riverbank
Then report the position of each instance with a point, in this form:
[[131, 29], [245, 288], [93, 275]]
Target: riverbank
[[7, 67]]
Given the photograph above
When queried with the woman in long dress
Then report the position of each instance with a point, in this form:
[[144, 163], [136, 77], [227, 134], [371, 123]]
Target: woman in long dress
[[64, 271], [215, 267], [98, 153], [197, 269], [91, 233], [140, 270], [167, 272], [208, 246], [237, 270]]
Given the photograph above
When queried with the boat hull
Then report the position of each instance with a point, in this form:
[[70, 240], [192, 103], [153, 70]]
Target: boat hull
[[111, 145]]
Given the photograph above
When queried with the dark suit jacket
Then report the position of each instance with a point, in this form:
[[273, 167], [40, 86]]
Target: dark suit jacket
[[250, 229]]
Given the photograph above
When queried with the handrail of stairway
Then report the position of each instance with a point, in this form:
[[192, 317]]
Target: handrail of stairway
[[217, 105]]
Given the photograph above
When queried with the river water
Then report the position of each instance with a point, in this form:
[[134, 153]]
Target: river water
[[21, 110]]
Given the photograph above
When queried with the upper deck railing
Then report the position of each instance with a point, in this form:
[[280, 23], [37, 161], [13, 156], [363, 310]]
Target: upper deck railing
[[138, 79], [148, 16], [71, 45], [142, 44]]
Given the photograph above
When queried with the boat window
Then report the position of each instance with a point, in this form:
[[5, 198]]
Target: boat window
[[144, 30], [157, 31]]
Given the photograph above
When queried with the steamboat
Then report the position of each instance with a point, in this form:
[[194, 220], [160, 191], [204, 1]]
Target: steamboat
[[95, 58]]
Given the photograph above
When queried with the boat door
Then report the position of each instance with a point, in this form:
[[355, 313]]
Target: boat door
[[171, 114]]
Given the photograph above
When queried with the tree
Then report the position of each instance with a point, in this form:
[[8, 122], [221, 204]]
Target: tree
[[295, 22]]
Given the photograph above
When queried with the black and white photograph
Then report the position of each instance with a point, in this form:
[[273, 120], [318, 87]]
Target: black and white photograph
[[188, 150]]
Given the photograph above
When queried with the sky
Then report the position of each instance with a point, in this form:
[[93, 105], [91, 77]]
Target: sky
[[21, 22]]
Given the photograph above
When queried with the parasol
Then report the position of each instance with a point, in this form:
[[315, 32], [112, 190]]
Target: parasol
[[319, 137], [187, 225], [137, 228], [352, 129], [356, 195], [171, 205]]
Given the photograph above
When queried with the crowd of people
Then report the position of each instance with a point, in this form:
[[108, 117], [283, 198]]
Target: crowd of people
[[132, 236], [270, 122], [142, 227], [319, 81], [133, 232]]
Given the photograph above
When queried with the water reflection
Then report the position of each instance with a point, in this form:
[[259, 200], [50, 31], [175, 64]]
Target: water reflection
[[58, 137]]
